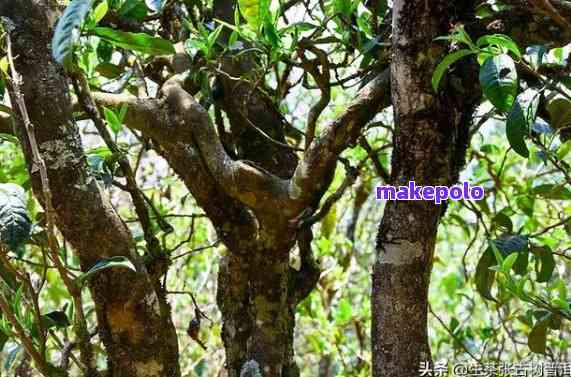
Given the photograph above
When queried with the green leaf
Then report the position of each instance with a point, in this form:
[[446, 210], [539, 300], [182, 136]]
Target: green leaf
[[445, 63], [297, 27], [56, 318], [113, 120], [15, 225], [99, 12], [499, 81], [544, 263], [520, 119], [135, 10], [344, 312], [509, 262], [499, 40], [502, 220], [484, 276], [140, 42], [552, 191], [9, 138], [344, 7], [66, 33], [459, 35], [559, 109], [514, 244], [113, 262], [254, 12], [537, 338]]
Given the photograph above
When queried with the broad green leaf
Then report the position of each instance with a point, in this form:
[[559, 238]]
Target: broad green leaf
[[15, 225], [559, 109], [9, 138], [484, 276], [140, 42], [135, 10], [344, 7], [113, 262], [499, 81], [123, 112], [56, 318], [66, 33], [520, 119], [499, 40], [552, 191], [564, 150], [537, 338], [254, 12], [502, 220], [445, 63], [113, 120], [544, 263], [509, 262], [108, 70], [329, 222], [100, 11]]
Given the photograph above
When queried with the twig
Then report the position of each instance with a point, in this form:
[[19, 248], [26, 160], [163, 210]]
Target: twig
[[201, 248], [451, 333], [552, 226]]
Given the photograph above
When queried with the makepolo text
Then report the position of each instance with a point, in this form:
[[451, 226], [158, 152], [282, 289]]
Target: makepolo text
[[437, 193]]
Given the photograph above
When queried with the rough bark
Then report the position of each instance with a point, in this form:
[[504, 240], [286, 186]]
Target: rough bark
[[430, 139], [132, 312], [256, 213]]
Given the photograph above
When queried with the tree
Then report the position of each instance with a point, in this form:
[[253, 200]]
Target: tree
[[206, 87], [431, 138], [256, 194]]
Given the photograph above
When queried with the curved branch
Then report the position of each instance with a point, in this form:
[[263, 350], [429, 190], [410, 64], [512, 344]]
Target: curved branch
[[315, 172], [176, 116]]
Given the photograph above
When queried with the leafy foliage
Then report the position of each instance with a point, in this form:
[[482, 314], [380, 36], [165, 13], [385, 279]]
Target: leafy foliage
[[113, 262], [140, 42], [498, 78], [15, 224], [66, 32]]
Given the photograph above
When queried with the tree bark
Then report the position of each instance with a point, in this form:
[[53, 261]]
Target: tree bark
[[431, 137], [133, 315]]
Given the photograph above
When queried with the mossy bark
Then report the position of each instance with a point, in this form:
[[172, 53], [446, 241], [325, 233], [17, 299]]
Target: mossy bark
[[133, 315], [431, 137]]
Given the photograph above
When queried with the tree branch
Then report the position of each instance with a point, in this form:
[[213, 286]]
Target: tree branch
[[315, 172]]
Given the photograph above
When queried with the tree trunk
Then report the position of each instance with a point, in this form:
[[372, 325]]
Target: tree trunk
[[133, 315], [431, 137], [257, 295]]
